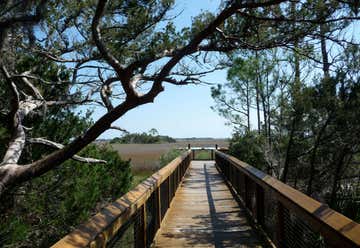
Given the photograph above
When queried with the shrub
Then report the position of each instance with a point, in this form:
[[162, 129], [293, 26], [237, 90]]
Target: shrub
[[142, 138], [51, 205], [169, 156], [247, 147]]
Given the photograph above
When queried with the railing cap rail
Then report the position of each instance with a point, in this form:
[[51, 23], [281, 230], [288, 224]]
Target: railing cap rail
[[108, 221], [327, 221]]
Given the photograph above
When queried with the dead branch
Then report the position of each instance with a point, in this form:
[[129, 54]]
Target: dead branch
[[56, 145]]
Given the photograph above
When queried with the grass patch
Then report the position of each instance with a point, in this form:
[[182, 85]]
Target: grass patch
[[202, 154], [139, 177], [169, 156]]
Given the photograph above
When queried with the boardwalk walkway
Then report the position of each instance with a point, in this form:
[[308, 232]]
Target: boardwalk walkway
[[205, 214]]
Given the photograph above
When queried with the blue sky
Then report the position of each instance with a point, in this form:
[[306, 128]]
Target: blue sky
[[179, 111]]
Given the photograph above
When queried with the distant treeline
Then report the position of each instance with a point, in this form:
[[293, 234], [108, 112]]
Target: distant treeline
[[152, 137]]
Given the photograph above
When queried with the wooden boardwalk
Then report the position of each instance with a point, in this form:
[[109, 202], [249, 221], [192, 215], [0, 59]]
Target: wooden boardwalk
[[205, 214]]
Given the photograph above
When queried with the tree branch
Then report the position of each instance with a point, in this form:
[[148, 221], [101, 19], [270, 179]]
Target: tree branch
[[119, 129], [56, 145], [121, 73]]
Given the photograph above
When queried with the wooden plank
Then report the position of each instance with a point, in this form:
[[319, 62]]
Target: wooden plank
[[205, 214]]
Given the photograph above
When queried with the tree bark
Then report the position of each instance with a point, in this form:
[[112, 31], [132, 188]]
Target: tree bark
[[248, 105], [288, 151], [326, 64], [257, 89], [313, 156], [268, 111], [295, 90], [337, 176]]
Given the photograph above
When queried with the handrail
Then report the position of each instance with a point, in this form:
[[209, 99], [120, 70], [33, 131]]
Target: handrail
[[144, 206], [286, 215], [205, 153]]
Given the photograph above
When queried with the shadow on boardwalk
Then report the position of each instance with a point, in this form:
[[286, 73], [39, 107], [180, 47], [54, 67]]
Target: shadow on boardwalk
[[205, 214]]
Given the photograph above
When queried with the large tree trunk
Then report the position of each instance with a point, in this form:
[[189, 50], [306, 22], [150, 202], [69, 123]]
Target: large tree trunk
[[326, 64], [313, 156], [337, 176], [326, 68], [268, 111], [257, 89], [264, 113], [296, 88], [248, 106], [258, 108], [288, 151]]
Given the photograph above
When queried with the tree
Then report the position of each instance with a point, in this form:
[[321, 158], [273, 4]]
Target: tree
[[119, 57], [114, 58], [307, 97], [153, 132], [241, 78]]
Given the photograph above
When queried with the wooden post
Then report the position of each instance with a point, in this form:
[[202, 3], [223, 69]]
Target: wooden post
[[178, 175], [280, 232], [189, 146], [158, 208], [216, 146], [260, 205], [169, 190], [247, 193], [140, 229]]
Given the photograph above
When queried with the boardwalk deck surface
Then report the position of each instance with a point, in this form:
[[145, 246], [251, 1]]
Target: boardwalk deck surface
[[204, 213]]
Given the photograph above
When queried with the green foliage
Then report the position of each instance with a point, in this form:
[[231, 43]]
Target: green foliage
[[63, 198], [348, 203], [151, 137], [169, 156], [248, 148], [139, 176], [308, 127], [202, 154], [18, 230]]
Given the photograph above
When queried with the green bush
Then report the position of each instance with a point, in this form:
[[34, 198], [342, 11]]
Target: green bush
[[50, 206], [247, 147], [142, 138], [169, 156]]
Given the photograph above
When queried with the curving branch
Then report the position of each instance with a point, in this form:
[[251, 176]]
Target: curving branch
[[27, 18], [56, 145], [121, 72], [319, 20], [185, 81], [105, 91], [17, 141], [119, 129], [30, 18]]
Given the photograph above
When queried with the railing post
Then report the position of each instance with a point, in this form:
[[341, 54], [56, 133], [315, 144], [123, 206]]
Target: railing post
[[260, 205], [158, 208], [216, 146], [247, 198], [140, 228], [169, 190], [189, 146], [280, 225]]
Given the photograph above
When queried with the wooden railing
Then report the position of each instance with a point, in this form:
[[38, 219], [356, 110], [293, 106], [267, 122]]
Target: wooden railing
[[288, 217], [132, 220], [205, 153]]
